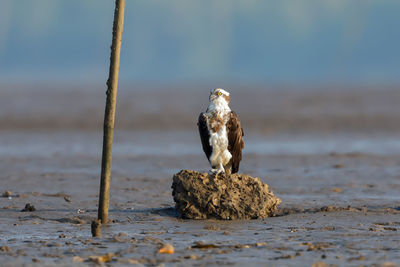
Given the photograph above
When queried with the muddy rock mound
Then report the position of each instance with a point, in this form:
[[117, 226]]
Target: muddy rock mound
[[226, 197]]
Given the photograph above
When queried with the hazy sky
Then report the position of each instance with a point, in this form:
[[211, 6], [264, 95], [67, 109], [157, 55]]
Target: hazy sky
[[281, 41]]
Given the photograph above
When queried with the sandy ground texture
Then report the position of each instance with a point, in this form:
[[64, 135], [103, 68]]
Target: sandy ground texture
[[332, 157]]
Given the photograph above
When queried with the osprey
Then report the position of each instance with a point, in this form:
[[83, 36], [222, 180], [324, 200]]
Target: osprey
[[221, 134]]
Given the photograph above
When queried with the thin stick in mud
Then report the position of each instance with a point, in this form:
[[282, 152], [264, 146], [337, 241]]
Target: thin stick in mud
[[109, 116], [96, 228]]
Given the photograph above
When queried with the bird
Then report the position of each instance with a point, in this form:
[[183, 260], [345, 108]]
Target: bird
[[221, 134]]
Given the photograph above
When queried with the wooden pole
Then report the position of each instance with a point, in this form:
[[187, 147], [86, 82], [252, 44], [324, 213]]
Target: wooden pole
[[112, 85]]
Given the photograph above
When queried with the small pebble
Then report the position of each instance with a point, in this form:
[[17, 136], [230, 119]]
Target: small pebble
[[7, 194], [166, 249]]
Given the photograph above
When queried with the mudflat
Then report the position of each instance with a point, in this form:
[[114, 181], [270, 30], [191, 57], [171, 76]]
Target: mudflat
[[332, 157]]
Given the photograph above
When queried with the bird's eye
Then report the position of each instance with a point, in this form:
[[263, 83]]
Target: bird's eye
[[219, 93]]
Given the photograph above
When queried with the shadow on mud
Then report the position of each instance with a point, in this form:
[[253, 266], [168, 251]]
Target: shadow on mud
[[295, 210]]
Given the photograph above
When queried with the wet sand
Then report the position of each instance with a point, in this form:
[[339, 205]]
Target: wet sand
[[332, 157]]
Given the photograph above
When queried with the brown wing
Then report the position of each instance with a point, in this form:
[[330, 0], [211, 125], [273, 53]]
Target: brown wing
[[204, 135], [235, 138]]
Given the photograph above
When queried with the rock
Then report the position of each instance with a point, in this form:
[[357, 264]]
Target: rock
[[226, 197], [28, 208]]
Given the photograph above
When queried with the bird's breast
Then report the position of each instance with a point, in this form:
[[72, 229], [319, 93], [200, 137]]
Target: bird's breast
[[215, 123]]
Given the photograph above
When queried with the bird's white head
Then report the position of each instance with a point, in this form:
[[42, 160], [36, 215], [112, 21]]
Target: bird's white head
[[219, 101], [219, 94]]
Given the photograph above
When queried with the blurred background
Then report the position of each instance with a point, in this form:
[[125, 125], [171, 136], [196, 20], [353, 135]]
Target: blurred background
[[297, 68], [226, 41]]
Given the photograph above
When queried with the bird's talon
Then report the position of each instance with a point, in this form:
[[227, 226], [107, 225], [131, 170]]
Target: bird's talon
[[216, 172]]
